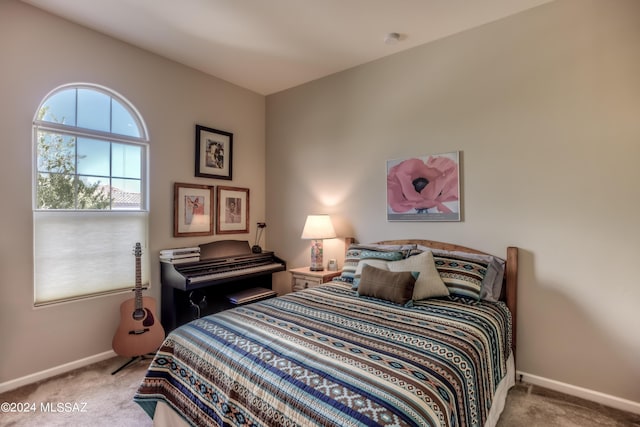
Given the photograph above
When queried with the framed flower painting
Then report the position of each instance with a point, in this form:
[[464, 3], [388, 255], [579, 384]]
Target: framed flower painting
[[424, 188]]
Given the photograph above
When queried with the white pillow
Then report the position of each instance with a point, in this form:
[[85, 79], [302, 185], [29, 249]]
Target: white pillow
[[429, 283]]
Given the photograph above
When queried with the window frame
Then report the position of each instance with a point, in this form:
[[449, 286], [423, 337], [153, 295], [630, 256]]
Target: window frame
[[80, 132]]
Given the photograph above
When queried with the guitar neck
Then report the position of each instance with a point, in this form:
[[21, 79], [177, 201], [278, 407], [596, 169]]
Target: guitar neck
[[138, 290]]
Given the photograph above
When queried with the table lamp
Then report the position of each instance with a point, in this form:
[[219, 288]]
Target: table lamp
[[316, 228]]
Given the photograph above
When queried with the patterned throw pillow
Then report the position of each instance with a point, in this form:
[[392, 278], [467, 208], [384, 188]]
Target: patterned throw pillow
[[493, 280], [463, 276], [351, 259], [387, 285], [357, 253]]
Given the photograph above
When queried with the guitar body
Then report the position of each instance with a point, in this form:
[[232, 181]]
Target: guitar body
[[139, 332], [136, 337]]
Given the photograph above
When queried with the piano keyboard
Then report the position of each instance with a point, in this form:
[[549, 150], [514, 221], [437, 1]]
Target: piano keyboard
[[234, 272]]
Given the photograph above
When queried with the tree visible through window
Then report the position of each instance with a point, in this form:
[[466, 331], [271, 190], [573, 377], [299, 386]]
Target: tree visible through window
[[91, 153]]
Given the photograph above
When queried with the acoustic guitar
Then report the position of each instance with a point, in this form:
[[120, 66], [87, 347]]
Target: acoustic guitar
[[139, 332]]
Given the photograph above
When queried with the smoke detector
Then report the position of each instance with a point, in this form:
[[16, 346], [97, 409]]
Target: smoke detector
[[392, 38]]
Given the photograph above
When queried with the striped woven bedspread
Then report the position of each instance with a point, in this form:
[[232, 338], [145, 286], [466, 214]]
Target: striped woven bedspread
[[327, 357]]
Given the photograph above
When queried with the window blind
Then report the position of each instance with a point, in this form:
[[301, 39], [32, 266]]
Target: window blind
[[80, 253]]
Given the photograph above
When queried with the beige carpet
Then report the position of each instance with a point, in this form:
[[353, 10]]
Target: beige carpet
[[531, 406], [90, 396], [107, 400]]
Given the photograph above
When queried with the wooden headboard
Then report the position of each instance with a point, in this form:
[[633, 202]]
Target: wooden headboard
[[510, 281]]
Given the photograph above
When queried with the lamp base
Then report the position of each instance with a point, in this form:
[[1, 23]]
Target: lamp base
[[316, 256]]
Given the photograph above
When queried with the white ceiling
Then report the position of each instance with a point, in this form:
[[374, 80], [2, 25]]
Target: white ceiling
[[271, 45]]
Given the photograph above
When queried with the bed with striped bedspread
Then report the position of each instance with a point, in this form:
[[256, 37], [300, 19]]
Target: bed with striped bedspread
[[327, 357]]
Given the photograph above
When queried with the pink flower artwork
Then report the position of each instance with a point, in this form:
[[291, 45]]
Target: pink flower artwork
[[420, 186]]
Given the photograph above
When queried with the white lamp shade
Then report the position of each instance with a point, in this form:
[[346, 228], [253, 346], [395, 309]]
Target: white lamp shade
[[318, 227]]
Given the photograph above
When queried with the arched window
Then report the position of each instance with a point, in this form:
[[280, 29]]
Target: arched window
[[90, 193]]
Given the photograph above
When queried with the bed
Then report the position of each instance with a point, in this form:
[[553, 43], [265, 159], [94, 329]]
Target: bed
[[376, 346]]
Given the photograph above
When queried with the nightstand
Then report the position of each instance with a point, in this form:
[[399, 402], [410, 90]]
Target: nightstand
[[303, 278]]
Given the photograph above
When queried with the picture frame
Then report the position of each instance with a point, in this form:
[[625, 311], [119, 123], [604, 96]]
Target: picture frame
[[214, 153], [232, 208], [425, 188], [192, 210]]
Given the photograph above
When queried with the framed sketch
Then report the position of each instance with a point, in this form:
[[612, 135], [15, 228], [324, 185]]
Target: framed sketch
[[214, 153], [192, 210], [424, 188], [232, 210]]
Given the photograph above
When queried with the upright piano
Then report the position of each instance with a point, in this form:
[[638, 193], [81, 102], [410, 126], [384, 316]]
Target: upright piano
[[227, 268]]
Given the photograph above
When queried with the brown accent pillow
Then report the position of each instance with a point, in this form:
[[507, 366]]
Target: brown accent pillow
[[387, 285]]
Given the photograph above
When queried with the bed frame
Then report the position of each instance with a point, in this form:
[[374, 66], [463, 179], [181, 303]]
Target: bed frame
[[510, 281]]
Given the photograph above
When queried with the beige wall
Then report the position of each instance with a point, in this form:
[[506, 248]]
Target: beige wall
[[545, 108], [39, 52]]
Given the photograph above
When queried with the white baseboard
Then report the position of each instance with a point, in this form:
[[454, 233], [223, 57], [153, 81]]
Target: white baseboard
[[57, 370], [594, 396]]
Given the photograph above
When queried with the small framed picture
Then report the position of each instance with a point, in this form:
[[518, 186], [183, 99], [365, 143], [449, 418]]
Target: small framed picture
[[232, 210], [214, 153], [192, 210]]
